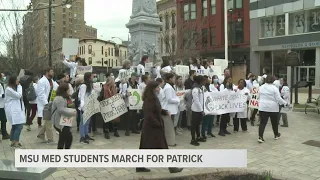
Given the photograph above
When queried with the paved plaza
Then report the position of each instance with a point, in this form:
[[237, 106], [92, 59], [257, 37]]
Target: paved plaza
[[287, 157]]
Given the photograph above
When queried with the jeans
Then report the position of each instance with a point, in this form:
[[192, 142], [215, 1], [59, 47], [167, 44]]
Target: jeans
[[3, 121], [65, 137], [264, 117], [84, 127], [195, 124], [207, 125], [78, 117], [15, 132], [33, 114]]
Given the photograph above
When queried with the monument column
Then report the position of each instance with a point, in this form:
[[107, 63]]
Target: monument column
[[144, 27]]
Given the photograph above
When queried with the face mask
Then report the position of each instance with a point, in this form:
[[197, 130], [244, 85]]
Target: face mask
[[4, 78], [95, 80], [215, 81]]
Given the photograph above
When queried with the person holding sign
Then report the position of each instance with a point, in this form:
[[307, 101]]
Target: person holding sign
[[241, 116], [153, 133], [62, 116], [72, 65], [269, 101], [85, 90], [140, 68]]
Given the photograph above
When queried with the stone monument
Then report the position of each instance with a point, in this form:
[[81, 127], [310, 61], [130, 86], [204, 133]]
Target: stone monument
[[144, 27]]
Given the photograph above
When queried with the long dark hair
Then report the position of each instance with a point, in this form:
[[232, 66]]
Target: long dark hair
[[148, 94], [143, 60], [12, 82], [63, 90], [87, 81]]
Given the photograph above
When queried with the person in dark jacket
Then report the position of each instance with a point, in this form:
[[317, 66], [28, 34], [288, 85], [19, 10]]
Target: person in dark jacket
[[152, 135], [188, 84]]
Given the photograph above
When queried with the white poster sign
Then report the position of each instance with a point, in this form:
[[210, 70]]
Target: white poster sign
[[21, 74], [202, 72], [66, 121], [254, 103], [182, 70], [135, 99], [91, 106], [223, 63], [217, 103], [124, 75], [181, 94], [84, 69], [70, 46], [148, 67], [113, 107], [215, 70]]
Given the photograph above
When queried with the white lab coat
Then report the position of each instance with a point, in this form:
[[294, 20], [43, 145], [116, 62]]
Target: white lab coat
[[166, 69], [43, 92], [72, 66], [161, 97], [123, 90], [171, 100], [243, 114], [213, 88], [2, 100], [197, 99], [269, 98], [285, 93], [14, 106], [140, 71]]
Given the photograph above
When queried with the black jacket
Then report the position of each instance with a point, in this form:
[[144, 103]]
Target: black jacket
[[188, 84]]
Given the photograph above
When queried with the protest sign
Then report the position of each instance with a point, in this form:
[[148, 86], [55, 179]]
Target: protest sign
[[215, 70], [70, 46], [113, 107], [66, 121], [124, 75], [216, 103], [91, 106], [84, 69], [53, 93], [181, 94], [254, 103], [97, 86], [148, 67], [21, 74], [182, 70], [202, 72], [223, 63], [135, 99]]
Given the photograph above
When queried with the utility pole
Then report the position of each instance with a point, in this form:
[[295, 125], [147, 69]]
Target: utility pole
[[49, 35], [231, 40]]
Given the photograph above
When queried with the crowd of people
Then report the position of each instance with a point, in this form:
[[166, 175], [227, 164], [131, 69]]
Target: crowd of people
[[163, 114]]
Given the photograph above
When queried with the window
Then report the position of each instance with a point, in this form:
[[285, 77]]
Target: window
[[161, 45], [173, 20], [235, 4], [167, 22], [173, 43], [102, 50], [90, 49], [64, 10], [111, 62], [90, 60], [64, 29], [125, 54], [161, 23], [64, 22], [109, 52], [116, 62], [212, 36], [239, 34], [204, 8], [167, 43], [193, 12], [204, 35], [186, 11], [213, 7], [64, 16], [84, 47], [238, 4]]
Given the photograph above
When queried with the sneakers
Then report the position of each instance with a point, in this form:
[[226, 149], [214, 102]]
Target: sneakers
[[195, 143], [222, 134], [116, 134], [5, 137], [277, 136], [260, 140], [88, 138], [127, 133], [211, 135], [229, 124], [84, 141], [227, 132], [106, 135], [201, 139]]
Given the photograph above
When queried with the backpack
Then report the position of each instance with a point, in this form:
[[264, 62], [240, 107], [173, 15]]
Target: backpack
[[31, 93], [188, 98], [75, 96]]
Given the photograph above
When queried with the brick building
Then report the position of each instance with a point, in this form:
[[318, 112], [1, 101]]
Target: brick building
[[200, 27]]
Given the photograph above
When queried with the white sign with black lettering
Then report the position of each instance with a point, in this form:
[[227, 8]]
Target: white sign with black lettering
[[113, 107]]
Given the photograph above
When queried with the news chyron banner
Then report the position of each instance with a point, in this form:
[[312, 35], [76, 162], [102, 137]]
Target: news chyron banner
[[120, 158]]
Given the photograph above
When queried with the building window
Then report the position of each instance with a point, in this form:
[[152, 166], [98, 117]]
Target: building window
[[125, 54], [161, 45], [173, 43], [213, 36], [267, 26], [304, 21], [84, 47], [111, 62], [109, 52], [186, 12], [204, 35], [193, 12], [167, 43], [64, 10], [102, 50], [238, 4], [167, 22], [90, 60], [213, 7], [239, 33], [90, 49], [161, 23], [204, 8], [235, 4], [173, 20], [64, 23]]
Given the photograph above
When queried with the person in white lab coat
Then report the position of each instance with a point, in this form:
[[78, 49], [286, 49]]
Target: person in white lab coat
[[15, 110], [3, 118], [197, 109], [165, 68], [144, 80], [277, 81], [241, 116], [141, 67], [182, 106], [228, 86], [269, 100], [171, 101], [45, 88], [161, 94], [72, 65], [285, 94]]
